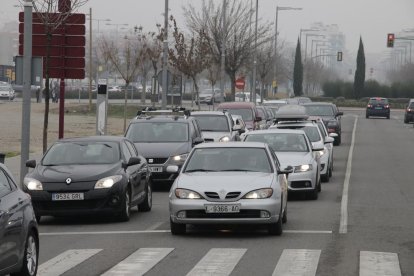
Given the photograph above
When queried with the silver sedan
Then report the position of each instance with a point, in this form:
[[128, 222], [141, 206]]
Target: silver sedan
[[230, 183]]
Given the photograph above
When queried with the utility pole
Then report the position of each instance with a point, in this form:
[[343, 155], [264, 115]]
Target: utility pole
[[165, 59], [90, 59], [253, 92], [27, 81], [223, 51]]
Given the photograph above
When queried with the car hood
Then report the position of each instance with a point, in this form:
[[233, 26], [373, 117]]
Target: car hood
[[78, 173], [162, 149], [294, 158], [228, 181], [215, 135]]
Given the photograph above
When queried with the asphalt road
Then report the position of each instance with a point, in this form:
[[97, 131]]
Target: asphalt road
[[365, 229]]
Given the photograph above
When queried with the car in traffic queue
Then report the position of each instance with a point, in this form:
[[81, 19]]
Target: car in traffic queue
[[378, 107], [295, 117], [293, 148], [230, 183], [267, 117], [217, 126], [19, 233], [164, 137], [210, 96], [247, 110], [330, 116], [103, 175], [6, 91], [238, 120], [409, 112]]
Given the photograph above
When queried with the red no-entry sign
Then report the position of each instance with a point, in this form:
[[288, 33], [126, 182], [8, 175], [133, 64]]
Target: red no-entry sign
[[240, 83]]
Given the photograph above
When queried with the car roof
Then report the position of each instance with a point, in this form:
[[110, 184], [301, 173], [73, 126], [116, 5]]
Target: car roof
[[291, 112], [161, 118], [319, 103], [237, 105], [231, 145], [220, 113], [277, 130], [103, 138]]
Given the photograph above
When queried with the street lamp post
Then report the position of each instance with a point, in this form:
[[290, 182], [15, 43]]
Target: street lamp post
[[253, 93], [275, 50], [306, 44], [165, 59], [223, 51]]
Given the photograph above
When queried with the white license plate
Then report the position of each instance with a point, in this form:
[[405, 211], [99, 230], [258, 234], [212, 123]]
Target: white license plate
[[233, 208], [155, 169], [67, 196]]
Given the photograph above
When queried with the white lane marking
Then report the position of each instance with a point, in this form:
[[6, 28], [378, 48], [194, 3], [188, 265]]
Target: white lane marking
[[65, 261], [343, 226], [379, 264], [139, 262], [162, 231], [155, 226], [297, 262], [218, 261]]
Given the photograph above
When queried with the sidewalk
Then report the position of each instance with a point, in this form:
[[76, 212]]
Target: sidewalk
[[13, 164]]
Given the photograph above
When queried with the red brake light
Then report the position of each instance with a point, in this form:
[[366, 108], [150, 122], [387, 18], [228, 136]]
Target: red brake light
[[387, 106], [369, 105]]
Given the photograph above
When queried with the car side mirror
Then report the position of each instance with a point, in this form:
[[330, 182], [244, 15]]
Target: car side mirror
[[340, 113], [31, 163], [198, 140], [333, 135], [172, 169], [236, 127], [258, 119], [133, 161], [317, 146], [329, 140], [287, 170]]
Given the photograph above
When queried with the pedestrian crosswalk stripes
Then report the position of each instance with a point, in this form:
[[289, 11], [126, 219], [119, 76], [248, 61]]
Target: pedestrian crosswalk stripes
[[379, 264], [297, 262], [65, 261], [218, 261], [139, 262], [221, 262]]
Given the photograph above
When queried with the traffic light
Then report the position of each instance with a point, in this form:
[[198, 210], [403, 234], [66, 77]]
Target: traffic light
[[339, 56], [390, 40]]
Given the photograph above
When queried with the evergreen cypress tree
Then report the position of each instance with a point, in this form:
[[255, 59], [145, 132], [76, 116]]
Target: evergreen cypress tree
[[298, 72], [359, 80]]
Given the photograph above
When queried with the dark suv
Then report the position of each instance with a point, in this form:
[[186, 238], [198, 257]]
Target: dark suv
[[379, 107], [164, 138], [330, 115], [409, 112]]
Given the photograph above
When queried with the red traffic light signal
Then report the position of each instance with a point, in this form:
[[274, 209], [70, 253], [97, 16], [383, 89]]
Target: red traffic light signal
[[390, 40]]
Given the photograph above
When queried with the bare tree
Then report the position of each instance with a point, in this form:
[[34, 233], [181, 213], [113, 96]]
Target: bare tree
[[265, 63], [239, 40], [190, 57], [53, 16], [125, 59], [213, 74]]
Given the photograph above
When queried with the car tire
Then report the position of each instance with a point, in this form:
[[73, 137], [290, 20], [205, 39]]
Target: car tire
[[330, 169], [177, 228], [38, 218], [337, 140], [406, 120], [276, 229], [146, 205], [388, 116], [284, 217], [325, 177], [30, 257], [125, 213], [367, 116]]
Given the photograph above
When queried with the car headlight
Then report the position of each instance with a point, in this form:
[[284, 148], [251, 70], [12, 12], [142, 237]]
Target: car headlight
[[180, 157], [187, 194], [224, 139], [303, 168], [322, 152], [33, 184], [259, 194], [107, 182]]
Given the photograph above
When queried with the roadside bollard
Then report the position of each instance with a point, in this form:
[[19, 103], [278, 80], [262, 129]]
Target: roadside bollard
[[2, 157]]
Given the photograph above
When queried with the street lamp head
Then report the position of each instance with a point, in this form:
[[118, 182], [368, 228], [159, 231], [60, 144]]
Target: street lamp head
[[287, 8]]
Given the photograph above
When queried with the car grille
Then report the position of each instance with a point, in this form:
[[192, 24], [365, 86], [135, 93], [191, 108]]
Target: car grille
[[242, 214], [67, 205], [229, 195], [208, 140], [156, 160], [300, 184]]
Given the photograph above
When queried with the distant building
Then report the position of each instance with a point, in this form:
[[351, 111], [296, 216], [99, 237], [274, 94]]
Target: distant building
[[9, 43]]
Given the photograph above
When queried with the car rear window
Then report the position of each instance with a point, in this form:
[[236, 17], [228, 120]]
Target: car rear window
[[378, 101]]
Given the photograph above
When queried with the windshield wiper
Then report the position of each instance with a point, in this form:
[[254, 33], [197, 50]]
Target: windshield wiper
[[200, 170]]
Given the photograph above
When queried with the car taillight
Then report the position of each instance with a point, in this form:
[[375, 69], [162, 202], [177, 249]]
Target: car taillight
[[387, 106], [331, 130], [408, 110], [369, 106]]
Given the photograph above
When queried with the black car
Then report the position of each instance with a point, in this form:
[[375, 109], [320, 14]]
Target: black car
[[379, 107], [330, 115], [164, 138], [409, 112], [90, 175], [19, 234]]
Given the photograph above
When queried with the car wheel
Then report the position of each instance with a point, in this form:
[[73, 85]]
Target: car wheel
[[177, 228], [276, 229], [284, 218], [30, 258], [405, 120], [125, 213], [325, 177], [337, 141], [388, 116], [146, 205], [330, 169], [367, 116], [38, 218]]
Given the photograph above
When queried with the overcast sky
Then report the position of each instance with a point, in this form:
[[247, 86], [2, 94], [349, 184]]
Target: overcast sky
[[371, 19]]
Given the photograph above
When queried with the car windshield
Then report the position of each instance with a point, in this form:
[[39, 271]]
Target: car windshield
[[229, 159], [158, 132], [378, 101], [245, 113], [291, 142], [311, 131], [319, 110], [82, 153], [213, 123]]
